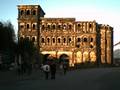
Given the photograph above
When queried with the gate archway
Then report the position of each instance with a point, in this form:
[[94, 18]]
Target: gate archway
[[64, 58], [92, 56], [79, 57], [85, 56]]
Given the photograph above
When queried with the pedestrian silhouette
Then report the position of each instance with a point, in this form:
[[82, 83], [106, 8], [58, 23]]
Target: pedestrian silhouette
[[53, 70], [46, 69], [64, 68]]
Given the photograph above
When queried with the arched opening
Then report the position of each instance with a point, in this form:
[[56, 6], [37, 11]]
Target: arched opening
[[21, 26], [34, 26], [27, 38], [22, 12], [64, 40], [43, 26], [28, 12], [85, 39], [53, 40], [90, 25], [69, 40], [91, 46], [78, 25], [45, 58], [64, 58], [85, 57], [34, 12], [48, 40], [48, 26], [43, 40], [64, 26], [79, 57], [92, 56], [59, 27], [33, 39], [58, 40], [91, 39], [53, 26], [70, 26], [78, 40], [21, 38], [28, 26]]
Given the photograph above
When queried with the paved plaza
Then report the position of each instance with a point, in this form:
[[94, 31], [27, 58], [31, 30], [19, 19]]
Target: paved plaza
[[81, 79]]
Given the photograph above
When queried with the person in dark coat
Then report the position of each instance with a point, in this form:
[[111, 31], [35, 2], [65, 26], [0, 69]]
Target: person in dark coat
[[65, 68], [53, 70]]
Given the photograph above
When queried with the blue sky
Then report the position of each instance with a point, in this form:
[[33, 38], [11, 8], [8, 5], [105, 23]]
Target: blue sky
[[103, 11]]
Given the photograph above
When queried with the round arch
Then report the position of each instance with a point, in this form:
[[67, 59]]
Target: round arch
[[92, 56], [85, 56], [64, 58], [79, 57], [53, 25], [85, 38]]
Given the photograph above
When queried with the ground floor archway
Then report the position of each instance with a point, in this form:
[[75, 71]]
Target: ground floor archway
[[92, 56], [79, 57]]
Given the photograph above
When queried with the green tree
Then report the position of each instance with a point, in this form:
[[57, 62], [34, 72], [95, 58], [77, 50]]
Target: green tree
[[7, 42], [28, 51], [7, 36]]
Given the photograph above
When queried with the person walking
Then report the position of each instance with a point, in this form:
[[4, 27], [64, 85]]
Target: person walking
[[64, 68], [61, 68], [46, 69], [53, 70]]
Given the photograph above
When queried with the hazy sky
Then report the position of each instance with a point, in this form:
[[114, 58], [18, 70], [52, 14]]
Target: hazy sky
[[103, 11]]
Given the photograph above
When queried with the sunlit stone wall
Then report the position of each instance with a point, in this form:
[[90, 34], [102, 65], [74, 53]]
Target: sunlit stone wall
[[81, 41], [106, 43]]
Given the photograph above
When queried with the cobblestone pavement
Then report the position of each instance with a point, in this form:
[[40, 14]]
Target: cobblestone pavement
[[84, 79]]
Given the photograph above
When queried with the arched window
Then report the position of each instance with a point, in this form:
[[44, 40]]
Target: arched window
[[91, 46], [21, 26], [48, 26], [21, 38], [33, 39], [69, 40], [78, 25], [27, 38], [85, 39], [28, 12], [90, 25], [85, 56], [34, 26], [106, 27], [70, 26], [53, 26], [43, 27], [53, 40], [91, 39], [43, 40], [64, 40], [48, 40], [64, 26], [92, 56], [34, 12], [28, 26], [78, 39], [22, 12], [58, 40], [59, 27]]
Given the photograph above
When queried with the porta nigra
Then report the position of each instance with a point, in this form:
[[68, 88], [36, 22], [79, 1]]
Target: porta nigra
[[81, 41]]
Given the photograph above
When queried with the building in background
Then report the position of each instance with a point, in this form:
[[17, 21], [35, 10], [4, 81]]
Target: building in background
[[81, 41]]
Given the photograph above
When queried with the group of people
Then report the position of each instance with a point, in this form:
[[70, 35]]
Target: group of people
[[49, 69]]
